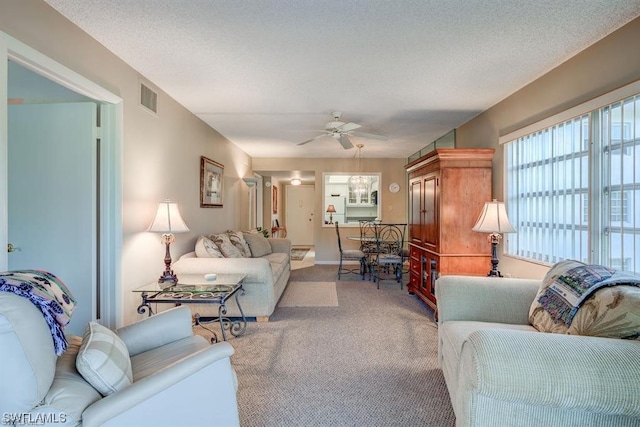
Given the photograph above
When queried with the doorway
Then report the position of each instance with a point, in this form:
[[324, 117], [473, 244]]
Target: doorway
[[108, 232], [299, 214]]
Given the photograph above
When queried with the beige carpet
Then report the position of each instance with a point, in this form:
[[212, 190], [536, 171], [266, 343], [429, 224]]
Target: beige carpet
[[371, 362], [310, 294]]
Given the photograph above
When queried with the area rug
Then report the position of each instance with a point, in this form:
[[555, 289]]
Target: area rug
[[298, 254], [310, 294]]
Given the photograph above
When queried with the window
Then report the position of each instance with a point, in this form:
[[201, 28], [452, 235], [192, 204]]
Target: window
[[573, 189], [354, 197]]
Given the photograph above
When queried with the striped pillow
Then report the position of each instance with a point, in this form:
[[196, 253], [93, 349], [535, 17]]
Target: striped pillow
[[103, 360]]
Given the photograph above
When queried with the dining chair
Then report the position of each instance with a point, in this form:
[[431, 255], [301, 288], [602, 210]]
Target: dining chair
[[368, 243], [349, 255], [389, 258]]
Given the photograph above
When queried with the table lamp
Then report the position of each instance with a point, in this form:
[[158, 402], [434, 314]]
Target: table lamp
[[493, 219], [331, 210], [167, 222]]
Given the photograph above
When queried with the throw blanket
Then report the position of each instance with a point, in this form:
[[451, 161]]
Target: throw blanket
[[49, 294], [567, 293]]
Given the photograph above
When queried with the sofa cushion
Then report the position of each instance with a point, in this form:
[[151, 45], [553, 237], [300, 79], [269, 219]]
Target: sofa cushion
[[103, 360], [258, 244], [151, 361], [206, 248], [70, 393], [610, 311], [237, 238], [226, 247]]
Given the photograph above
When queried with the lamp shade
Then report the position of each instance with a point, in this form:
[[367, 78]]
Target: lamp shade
[[493, 219], [331, 209], [168, 219]]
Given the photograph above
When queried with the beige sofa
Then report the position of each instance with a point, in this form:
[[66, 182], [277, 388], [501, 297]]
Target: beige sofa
[[501, 371], [267, 278]]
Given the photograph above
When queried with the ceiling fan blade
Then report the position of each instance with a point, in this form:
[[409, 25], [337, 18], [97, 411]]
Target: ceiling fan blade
[[369, 136], [310, 140], [344, 140], [348, 127]]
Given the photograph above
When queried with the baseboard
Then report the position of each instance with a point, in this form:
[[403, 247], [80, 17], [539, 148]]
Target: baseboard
[[336, 263]]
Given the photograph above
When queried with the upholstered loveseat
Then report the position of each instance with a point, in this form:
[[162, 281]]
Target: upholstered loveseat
[[501, 370], [152, 373], [266, 262]]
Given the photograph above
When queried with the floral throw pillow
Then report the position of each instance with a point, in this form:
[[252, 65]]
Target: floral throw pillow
[[611, 311], [226, 247], [206, 248], [237, 238]]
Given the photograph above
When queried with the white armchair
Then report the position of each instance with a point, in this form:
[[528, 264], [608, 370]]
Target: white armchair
[[178, 378]]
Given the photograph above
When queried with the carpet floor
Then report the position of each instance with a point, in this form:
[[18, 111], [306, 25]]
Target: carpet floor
[[372, 361], [309, 294]]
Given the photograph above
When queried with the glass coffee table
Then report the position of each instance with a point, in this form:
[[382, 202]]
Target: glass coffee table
[[195, 289]]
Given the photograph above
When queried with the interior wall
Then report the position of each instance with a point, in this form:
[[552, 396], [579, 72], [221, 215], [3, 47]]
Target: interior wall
[[161, 153], [394, 205], [611, 63]]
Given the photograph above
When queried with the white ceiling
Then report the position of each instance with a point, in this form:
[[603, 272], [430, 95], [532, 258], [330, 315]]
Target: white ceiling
[[266, 73]]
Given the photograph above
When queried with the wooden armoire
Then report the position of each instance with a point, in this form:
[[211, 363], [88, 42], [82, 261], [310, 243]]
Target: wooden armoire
[[447, 191]]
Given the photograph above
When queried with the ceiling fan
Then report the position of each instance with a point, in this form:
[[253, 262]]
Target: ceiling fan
[[341, 131]]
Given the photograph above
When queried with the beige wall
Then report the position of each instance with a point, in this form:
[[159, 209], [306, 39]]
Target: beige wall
[[609, 64], [161, 155], [394, 206]]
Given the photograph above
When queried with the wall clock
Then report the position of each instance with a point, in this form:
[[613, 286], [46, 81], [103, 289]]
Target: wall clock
[[394, 187]]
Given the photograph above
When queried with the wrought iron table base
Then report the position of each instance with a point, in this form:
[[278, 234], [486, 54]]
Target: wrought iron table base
[[236, 326]]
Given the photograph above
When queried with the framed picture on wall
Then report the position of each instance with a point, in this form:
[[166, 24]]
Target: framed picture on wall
[[211, 183], [275, 199]]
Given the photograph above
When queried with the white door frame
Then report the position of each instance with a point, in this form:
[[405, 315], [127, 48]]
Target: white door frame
[[110, 233]]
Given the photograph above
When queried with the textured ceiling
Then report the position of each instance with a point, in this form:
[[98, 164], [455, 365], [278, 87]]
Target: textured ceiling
[[267, 73]]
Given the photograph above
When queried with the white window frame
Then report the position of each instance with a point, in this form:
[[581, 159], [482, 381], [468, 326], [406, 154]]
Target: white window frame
[[601, 197]]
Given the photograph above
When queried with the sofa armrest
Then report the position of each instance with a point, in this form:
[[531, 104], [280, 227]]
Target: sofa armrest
[[155, 331], [280, 245], [600, 375], [152, 400], [485, 299]]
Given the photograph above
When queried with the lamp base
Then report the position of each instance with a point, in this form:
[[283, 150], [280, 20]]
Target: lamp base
[[494, 272], [168, 276]]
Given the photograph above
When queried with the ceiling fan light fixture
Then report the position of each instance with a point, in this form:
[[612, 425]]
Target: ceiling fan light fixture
[[359, 183], [341, 131]]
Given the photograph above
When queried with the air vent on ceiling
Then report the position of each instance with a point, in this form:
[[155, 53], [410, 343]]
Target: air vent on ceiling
[[148, 98]]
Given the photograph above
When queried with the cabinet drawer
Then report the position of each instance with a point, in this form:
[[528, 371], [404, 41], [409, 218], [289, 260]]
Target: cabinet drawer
[[414, 280], [414, 267], [414, 252]]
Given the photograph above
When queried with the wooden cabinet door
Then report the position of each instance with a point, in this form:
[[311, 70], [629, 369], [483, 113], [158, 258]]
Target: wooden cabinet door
[[428, 275], [430, 211], [415, 211]]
